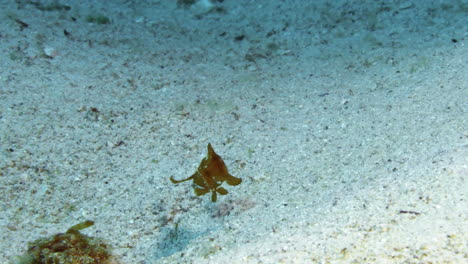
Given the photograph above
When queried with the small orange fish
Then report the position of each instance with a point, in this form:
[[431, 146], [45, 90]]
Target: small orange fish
[[209, 176]]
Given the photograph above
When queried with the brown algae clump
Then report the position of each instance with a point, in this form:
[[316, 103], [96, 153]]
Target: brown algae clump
[[70, 247]]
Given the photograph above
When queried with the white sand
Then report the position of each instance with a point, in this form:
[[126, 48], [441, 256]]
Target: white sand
[[339, 119]]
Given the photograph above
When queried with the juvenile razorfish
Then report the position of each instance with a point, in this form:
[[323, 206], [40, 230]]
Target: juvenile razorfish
[[209, 176]]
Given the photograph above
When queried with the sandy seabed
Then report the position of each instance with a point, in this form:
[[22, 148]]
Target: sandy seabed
[[347, 122]]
